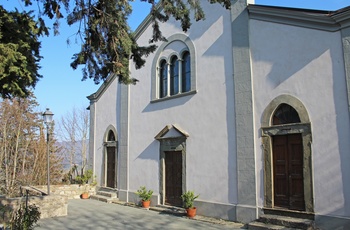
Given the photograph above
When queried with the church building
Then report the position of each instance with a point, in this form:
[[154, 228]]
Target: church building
[[249, 108]]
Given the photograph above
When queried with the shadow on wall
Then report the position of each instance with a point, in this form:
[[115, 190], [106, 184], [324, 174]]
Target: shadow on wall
[[171, 103], [332, 205], [291, 52], [343, 131], [151, 152]]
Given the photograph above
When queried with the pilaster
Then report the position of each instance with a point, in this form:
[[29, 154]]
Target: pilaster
[[123, 183], [246, 176]]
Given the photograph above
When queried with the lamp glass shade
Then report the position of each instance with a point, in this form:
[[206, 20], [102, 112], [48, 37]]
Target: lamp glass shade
[[48, 116]]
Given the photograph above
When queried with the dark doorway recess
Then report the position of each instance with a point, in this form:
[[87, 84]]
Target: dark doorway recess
[[111, 167], [173, 178]]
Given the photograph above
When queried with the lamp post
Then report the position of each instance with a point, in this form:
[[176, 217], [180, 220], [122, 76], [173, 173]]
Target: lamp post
[[48, 118]]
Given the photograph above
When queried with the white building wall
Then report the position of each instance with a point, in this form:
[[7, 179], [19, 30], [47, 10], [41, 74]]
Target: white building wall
[[106, 115], [307, 64], [207, 116]]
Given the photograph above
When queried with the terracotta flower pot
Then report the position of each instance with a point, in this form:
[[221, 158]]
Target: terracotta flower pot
[[85, 195], [146, 203], [191, 212]]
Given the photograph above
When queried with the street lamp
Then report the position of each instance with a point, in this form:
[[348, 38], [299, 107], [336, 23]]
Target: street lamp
[[48, 118]]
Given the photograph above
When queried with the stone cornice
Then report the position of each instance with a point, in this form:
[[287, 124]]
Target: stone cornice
[[315, 19], [342, 17]]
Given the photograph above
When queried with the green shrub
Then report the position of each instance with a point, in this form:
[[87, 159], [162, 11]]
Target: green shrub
[[25, 218], [188, 199], [144, 194], [84, 179]]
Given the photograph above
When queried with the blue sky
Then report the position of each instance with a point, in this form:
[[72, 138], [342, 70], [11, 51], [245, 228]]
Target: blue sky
[[61, 87]]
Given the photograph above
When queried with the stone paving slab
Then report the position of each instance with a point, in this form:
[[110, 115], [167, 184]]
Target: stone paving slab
[[92, 214]]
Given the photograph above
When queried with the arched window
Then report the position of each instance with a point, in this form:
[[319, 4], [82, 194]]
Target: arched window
[[163, 79], [186, 72], [174, 76], [111, 136], [285, 114], [173, 72]]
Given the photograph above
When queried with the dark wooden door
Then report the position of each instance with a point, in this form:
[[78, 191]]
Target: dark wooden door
[[111, 167], [288, 172], [173, 178]]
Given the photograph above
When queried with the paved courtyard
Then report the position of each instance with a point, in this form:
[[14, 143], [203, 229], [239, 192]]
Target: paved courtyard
[[91, 214]]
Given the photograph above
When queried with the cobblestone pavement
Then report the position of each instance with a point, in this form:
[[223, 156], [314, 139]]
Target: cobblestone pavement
[[91, 214]]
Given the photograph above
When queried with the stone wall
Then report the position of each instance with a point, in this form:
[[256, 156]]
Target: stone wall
[[49, 206], [55, 204], [72, 191]]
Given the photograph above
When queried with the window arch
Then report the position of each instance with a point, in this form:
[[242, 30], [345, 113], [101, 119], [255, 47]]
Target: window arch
[[111, 136], [285, 114], [173, 69]]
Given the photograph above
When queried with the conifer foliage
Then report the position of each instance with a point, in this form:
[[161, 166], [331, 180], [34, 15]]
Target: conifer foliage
[[19, 53], [107, 42]]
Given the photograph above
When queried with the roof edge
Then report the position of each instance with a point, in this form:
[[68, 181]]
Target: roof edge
[[314, 19], [95, 96]]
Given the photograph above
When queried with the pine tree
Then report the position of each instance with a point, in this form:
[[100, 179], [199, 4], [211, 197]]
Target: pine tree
[[19, 53], [107, 40]]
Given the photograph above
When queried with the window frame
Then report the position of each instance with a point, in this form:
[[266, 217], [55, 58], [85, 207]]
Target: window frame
[[158, 58]]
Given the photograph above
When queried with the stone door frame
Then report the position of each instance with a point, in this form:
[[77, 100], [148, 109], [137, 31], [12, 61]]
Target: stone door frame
[[268, 131], [171, 143]]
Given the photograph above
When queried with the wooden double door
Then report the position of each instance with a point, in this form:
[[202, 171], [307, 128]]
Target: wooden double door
[[288, 172], [173, 178]]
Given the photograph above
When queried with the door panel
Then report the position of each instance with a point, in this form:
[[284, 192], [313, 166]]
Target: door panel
[[173, 178], [280, 163], [111, 167], [296, 172], [288, 172]]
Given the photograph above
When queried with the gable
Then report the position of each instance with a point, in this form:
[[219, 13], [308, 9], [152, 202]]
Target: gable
[[171, 131]]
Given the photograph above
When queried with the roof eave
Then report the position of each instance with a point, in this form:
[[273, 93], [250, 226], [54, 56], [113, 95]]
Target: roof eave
[[315, 19]]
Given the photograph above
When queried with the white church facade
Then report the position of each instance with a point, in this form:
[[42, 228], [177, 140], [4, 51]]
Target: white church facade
[[249, 108]]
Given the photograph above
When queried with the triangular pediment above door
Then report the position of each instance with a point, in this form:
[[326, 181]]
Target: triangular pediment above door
[[171, 131]]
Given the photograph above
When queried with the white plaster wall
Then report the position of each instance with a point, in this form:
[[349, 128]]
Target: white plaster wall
[[307, 64], [207, 116], [106, 115]]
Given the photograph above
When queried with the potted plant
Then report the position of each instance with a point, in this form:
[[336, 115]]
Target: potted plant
[[85, 194], [145, 196], [83, 180], [188, 199]]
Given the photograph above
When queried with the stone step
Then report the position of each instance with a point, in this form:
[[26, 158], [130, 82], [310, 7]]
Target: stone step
[[103, 198], [106, 189], [107, 194], [290, 213], [256, 225], [289, 222]]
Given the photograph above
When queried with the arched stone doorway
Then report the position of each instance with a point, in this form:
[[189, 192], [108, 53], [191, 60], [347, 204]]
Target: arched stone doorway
[[286, 139], [111, 158]]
